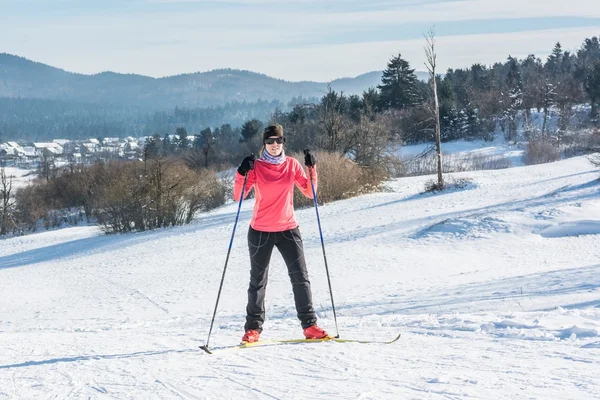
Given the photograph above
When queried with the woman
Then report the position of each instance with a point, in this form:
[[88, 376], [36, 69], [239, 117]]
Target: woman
[[273, 224]]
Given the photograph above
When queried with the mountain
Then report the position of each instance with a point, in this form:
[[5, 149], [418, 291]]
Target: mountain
[[23, 78]]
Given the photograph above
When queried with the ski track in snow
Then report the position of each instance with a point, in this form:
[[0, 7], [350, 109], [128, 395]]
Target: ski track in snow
[[495, 288]]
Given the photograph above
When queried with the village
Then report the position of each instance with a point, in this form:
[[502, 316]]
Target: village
[[62, 151]]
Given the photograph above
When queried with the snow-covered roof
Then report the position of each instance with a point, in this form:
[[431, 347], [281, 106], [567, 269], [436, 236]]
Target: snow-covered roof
[[29, 151], [8, 149], [47, 145], [53, 150]]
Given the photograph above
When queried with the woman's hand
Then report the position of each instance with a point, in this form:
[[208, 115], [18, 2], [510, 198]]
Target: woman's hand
[[309, 159], [246, 165]]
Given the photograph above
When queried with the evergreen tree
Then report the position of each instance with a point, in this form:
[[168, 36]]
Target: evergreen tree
[[298, 115], [513, 99], [588, 70], [399, 85], [167, 146], [251, 129], [470, 123], [589, 53], [592, 88], [569, 91], [152, 147], [448, 112], [554, 61], [182, 138], [208, 144], [371, 101], [355, 107], [532, 75]]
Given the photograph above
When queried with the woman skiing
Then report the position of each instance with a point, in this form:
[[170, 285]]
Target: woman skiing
[[273, 224]]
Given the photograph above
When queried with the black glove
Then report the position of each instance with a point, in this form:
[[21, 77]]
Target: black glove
[[246, 165], [309, 159]]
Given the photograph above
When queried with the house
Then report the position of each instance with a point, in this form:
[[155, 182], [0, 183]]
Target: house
[[48, 149], [12, 149]]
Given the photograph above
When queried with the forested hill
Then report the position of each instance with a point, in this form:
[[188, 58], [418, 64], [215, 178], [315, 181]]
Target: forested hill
[[22, 78]]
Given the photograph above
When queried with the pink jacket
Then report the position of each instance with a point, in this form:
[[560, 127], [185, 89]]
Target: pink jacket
[[274, 192]]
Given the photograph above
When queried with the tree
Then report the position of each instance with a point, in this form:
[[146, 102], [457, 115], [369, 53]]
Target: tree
[[431, 64], [152, 147], [568, 91], [514, 99], [7, 202], [251, 129], [588, 72], [589, 53], [333, 122], [208, 144], [371, 101], [547, 97], [532, 75], [592, 88], [183, 142], [448, 112], [46, 168], [554, 61], [399, 85], [167, 146]]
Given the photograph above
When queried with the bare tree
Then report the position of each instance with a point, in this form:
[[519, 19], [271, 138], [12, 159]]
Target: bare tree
[[46, 167], [332, 122], [6, 197], [431, 67]]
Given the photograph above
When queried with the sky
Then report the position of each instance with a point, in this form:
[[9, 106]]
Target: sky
[[317, 40]]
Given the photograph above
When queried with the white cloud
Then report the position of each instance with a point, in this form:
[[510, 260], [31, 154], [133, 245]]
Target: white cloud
[[332, 61], [167, 43], [423, 11], [322, 63]]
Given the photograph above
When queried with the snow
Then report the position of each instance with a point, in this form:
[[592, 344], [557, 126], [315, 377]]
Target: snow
[[462, 148], [495, 289], [19, 176]]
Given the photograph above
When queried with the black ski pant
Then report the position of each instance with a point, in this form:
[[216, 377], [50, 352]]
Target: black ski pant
[[289, 244]]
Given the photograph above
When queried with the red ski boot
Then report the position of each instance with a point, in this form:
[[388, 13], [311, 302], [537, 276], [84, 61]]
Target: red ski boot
[[314, 332], [251, 336]]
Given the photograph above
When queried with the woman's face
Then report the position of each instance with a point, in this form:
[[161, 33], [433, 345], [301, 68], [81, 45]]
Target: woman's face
[[275, 147]]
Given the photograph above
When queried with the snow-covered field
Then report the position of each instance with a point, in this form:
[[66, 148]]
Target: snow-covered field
[[495, 289], [19, 176], [468, 148]]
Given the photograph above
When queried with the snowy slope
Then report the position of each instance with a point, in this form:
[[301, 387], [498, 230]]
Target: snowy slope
[[496, 289]]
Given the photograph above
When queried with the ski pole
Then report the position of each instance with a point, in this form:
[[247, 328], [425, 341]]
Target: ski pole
[[205, 347], [310, 172]]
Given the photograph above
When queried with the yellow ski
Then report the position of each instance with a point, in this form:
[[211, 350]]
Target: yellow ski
[[275, 342]]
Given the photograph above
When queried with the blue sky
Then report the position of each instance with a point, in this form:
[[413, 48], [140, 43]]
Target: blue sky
[[294, 40]]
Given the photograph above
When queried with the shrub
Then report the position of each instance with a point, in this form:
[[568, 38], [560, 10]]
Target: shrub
[[539, 151], [31, 207], [340, 178], [123, 196], [581, 142], [450, 183], [159, 193], [595, 159]]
